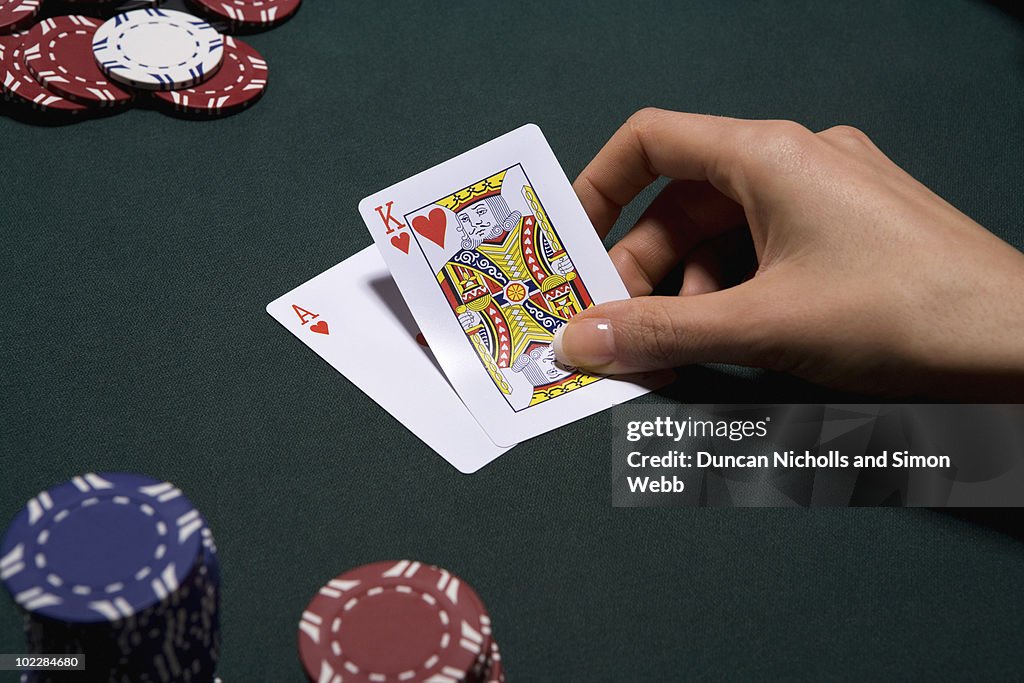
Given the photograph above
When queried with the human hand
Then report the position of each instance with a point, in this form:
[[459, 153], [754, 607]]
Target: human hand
[[469, 320], [866, 280], [562, 265]]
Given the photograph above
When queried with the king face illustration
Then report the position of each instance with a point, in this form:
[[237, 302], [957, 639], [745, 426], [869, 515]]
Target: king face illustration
[[511, 285], [484, 220]]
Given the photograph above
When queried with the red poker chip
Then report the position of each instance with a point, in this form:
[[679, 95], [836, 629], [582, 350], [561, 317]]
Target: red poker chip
[[251, 12], [8, 43], [11, 40], [484, 661], [391, 622], [58, 52], [17, 13], [239, 82], [496, 674], [18, 84]]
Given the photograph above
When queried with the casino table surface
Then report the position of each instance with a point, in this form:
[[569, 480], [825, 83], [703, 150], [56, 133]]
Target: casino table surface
[[139, 252]]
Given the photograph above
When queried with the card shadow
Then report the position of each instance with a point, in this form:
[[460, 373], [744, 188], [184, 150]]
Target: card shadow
[[390, 297]]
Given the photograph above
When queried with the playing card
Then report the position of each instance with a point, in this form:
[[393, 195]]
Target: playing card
[[353, 316], [493, 252]]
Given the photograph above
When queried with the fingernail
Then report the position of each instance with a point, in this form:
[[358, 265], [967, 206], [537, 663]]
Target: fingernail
[[585, 343]]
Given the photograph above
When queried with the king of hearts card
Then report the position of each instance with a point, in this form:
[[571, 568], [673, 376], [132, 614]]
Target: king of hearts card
[[510, 283], [493, 253]]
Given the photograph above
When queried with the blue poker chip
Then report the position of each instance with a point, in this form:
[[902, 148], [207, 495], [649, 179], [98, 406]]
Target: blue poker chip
[[101, 548], [210, 560]]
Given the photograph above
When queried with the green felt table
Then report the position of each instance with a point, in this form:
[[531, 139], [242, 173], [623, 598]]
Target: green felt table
[[139, 252]]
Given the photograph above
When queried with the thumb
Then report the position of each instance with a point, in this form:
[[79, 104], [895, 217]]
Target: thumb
[[652, 332]]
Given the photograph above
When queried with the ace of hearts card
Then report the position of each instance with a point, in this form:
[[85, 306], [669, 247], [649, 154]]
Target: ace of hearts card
[[353, 316], [493, 253]]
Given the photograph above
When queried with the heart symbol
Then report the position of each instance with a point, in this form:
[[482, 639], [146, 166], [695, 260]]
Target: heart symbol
[[431, 226], [401, 241], [320, 327]]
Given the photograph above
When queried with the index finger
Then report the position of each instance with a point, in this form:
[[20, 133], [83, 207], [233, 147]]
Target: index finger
[[653, 143]]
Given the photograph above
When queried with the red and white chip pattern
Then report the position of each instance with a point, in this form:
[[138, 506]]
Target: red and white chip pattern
[[19, 84], [496, 674], [58, 52], [419, 603], [251, 12], [55, 68], [17, 13], [9, 42], [239, 82]]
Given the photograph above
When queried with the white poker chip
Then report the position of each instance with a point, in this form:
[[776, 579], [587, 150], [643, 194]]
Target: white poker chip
[[158, 49]]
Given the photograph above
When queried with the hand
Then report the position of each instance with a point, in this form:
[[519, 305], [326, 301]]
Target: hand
[[562, 265], [469, 320], [865, 279]]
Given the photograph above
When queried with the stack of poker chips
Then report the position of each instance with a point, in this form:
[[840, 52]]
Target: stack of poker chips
[[65, 68], [122, 569], [390, 622]]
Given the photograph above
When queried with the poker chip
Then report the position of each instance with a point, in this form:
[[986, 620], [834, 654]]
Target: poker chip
[[9, 42], [395, 621], [107, 8], [58, 52], [120, 567], [241, 80], [251, 12], [15, 14], [496, 674], [100, 547], [18, 83], [156, 49]]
